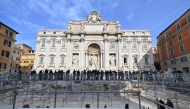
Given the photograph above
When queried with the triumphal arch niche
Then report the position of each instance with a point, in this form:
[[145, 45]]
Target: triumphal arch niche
[[94, 44], [94, 53]]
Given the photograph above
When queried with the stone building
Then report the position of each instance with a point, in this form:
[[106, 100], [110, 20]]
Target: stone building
[[173, 44], [7, 40], [17, 53], [94, 44], [27, 61]]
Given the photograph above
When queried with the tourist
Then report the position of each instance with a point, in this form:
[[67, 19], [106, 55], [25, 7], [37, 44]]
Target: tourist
[[169, 103], [40, 75], [38, 107], [175, 72], [180, 75], [50, 75], [161, 107], [47, 106], [26, 106], [74, 73], [78, 74], [84, 74]]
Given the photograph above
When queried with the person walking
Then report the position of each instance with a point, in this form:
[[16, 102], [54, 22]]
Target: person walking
[[169, 103]]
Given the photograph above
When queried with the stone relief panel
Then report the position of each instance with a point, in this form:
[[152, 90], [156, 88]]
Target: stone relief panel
[[112, 45], [76, 44], [75, 61], [112, 60]]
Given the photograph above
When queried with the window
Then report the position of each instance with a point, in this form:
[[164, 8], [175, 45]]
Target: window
[[124, 43], [7, 43], [144, 44], [31, 67], [44, 32], [189, 18], [164, 63], [181, 47], [169, 33], [143, 33], [133, 33], [54, 32], [24, 61], [26, 67], [2, 65], [63, 43], [53, 43], [20, 61], [135, 60], [18, 52], [155, 56], [11, 65], [14, 51], [51, 60], [27, 61], [162, 46], [178, 26], [5, 53], [62, 60], [170, 42], [163, 55], [173, 61], [171, 51], [179, 37], [183, 59], [125, 60], [23, 67], [41, 60], [134, 44], [43, 43], [155, 50], [9, 34], [146, 60], [16, 65], [12, 57], [32, 61]]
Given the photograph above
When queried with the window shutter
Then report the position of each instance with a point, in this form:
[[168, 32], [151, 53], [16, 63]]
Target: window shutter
[[2, 53], [9, 43], [4, 65], [5, 42], [6, 32], [7, 54]]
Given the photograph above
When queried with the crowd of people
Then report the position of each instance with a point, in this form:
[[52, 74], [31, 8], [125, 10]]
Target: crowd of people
[[102, 75], [28, 106], [168, 103]]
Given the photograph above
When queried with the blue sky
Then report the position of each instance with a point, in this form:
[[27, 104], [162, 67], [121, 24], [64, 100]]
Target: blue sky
[[28, 16]]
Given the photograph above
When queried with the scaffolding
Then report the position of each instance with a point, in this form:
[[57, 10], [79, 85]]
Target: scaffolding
[[49, 89]]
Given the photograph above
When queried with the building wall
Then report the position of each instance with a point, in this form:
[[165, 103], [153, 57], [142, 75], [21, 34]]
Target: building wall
[[171, 43], [102, 34], [27, 61], [4, 29], [17, 53], [155, 54], [26, 48]]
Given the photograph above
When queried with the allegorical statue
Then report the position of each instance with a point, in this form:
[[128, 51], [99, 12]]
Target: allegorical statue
[[118, 27], [82, 27], [105, 27]]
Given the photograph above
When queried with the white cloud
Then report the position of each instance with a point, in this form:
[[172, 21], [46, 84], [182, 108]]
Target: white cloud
[[114, 4], [26, 23], [129, 17]]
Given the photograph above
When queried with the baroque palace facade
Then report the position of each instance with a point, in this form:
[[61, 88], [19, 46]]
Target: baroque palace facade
[[94, 44]]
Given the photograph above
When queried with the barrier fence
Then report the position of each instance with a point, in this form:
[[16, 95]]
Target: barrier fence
[[13, 87]]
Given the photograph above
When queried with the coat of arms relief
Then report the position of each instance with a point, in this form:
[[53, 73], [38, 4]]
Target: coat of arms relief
[[94, 17]]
